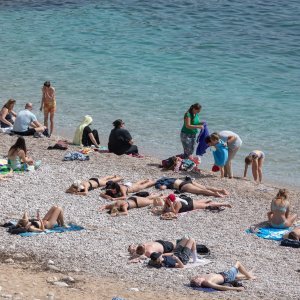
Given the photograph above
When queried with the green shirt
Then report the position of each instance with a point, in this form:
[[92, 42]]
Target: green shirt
[[195, 121]]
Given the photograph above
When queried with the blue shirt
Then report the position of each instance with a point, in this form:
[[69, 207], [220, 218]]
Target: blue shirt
[[23, 120]]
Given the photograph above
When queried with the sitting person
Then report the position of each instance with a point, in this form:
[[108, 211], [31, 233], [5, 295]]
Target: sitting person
[[188, 186], [148, 248], [256, 158], [121, 207], [115, 191], [7, 114], [185, 249], [216, 280], [179, 205], [293, 235], [83, 187], [280, 216], [53, 216], [84, 135], [17, 156], [120, 141], [27, 124]]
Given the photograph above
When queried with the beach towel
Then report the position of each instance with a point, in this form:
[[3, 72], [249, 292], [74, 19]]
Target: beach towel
[[56, 229], [290, 243], [220, 154], [60, 145], [270, 233], [4, 170], [75, 156], [202, 146], [205, 289]]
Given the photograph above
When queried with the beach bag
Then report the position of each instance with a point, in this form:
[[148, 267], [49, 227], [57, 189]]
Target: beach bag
[[202, 249]]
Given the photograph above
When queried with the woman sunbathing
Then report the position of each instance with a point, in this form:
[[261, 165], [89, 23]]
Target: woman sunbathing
[[179, 205], [115, 191], [280, 216], [83, 187], [52, 217], [188, 186], [120, 207], [293, 235]]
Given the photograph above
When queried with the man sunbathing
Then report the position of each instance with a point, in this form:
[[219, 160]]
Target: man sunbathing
[[146, 249], [185, 249], [216, 280]]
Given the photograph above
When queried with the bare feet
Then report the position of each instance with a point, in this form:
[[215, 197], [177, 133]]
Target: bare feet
[[225, 192], [219, 195]]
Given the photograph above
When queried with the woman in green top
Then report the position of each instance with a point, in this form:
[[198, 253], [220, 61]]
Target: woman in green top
[[190, 128]]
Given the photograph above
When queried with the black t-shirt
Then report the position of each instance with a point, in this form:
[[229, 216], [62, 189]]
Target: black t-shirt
[[118, 142], [85, 135], [169, 262]]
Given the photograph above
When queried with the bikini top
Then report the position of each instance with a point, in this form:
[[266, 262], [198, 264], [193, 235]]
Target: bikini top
[[35, 223], [275, 207]]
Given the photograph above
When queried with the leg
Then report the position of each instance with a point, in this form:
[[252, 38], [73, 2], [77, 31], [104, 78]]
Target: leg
[[51, 122], [188, 143], [231, 155], [140, 185], [270, 215], [222, 191], [96, 136], [222, 171], [114, 178], [202, 205], [193, 189], [255, 169], [49, 213], [291, 219], [260, 164], [132, 150], [143, 202], [54, 215], [46, 113], [243, 271]]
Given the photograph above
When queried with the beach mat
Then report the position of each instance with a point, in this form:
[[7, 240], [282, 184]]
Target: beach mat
[[270, 233], [205, 289], [56, 229]]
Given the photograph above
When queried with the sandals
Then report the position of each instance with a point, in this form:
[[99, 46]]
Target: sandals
[[215, 209]]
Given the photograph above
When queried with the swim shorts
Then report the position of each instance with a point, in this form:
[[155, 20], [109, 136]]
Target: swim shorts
[[229, 275], [183, 253], [168, 246]]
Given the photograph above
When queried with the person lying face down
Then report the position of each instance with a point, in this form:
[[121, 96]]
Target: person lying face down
[[189, 186], [116, 191], [178, 205], [80, 187], [216, 280], [185, 249]]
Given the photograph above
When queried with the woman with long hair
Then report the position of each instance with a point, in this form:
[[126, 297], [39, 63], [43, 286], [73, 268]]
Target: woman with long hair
[[190, 128], [280, 216], [7, 114]]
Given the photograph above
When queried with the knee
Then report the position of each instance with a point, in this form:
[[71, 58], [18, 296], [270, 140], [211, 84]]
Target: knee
[[237, 264]]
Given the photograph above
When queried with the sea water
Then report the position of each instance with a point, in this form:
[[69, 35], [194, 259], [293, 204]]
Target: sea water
[[147, 61]]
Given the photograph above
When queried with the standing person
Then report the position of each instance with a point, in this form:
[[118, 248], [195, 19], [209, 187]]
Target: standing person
[[190, 128], [49, 104], [7, 114], [256, 158], [234, 143], [27, 124], [84, 135], [120, 141]]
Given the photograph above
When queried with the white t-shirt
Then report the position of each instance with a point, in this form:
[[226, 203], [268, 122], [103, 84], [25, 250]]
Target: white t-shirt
[[224, 137], [23, 120]]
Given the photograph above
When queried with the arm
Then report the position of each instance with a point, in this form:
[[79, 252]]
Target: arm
[[24, 158], [91, 136], [103, 195], [187, 123], [287, 211], [33, 229], [13, 113], [43, 99], [123, 192], [36, 124], [222, 287], [3, 115], [245, 171], [108, 206], [179, 263]]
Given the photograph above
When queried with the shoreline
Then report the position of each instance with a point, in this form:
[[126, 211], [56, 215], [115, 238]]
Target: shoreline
[[101, 249]]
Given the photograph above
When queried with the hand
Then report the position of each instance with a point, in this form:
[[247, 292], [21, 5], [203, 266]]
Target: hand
[[240, 288]]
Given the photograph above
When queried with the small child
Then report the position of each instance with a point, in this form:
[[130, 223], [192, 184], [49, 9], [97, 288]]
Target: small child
[[216, 280], [256, 158], [220, 153]]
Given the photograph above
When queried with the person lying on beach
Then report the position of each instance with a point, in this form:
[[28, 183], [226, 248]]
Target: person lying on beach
[[280, 216], [293, 235], [53, 216], [146, 249], [256, 158], [189, 186], [185, 249], [83, 187], [17, 156], [216, 280], [115, 191], [179, 205], [121, 207]]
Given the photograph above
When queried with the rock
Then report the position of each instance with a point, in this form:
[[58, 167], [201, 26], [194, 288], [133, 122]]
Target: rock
[[12, 247], [76, 270], [0, 288], [50, 262], [60, 284], [50, 296], [69, 279], [134, 289], [53, 268], [6, 296], [52, 279], [19, 255], [9, 261]]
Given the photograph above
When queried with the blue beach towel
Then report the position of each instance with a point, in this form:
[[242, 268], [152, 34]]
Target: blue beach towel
[[205, 289], [75, 156], [56, 229], [271, 233], [202, 146]]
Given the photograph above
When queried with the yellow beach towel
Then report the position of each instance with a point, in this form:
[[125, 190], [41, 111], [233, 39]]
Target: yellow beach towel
[[87, 120]]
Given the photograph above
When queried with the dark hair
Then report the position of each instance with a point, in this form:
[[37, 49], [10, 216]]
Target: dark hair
[[9, 104], [19, 144], [117, 123], [207, 139], [192, 107], [47, 83], [293, 236], [282, 194], [111, 185], [248, 160], [140, 250]]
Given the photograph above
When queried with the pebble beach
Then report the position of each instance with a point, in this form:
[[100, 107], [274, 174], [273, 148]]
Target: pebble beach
[[100, 251]]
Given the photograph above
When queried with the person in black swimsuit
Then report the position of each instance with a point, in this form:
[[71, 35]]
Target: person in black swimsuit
[[83, 187], [53, 216], [179, 205], [121, 207]]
